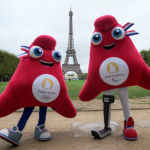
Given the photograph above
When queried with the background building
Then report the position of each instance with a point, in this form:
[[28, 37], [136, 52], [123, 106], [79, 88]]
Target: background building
[[73, 76]]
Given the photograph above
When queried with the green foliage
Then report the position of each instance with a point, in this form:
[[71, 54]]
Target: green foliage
[[83, 76], [8, 64], [144, 54], [148, 58]]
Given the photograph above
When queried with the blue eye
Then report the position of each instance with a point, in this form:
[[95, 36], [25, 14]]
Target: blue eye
[[56, 56], [36, 52], [96, 38], [118, 33]]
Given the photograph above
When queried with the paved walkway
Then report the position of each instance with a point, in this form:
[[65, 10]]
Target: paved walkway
[[61, 132]]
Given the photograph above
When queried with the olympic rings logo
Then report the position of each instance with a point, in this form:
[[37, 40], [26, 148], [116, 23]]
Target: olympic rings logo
[[46, 97]]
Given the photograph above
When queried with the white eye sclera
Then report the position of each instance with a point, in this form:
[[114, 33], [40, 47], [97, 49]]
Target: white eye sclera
[[36, 52], [118, 33], [96, 38], [56, 55]]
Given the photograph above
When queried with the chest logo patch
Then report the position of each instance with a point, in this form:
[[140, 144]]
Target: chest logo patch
[[114, 71], [46, 88]]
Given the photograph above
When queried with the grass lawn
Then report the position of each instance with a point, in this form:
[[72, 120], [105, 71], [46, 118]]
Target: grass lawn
[[74, 87], [3, 86]]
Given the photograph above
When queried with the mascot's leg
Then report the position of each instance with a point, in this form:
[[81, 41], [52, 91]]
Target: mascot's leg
[[124, 99], [14, 135], [129, 132], [41, 133], [108, 98]]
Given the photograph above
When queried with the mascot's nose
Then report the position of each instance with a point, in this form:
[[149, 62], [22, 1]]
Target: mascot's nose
[[105, 22]]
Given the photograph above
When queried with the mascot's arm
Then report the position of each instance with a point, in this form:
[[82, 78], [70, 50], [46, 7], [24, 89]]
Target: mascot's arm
[[7, 102], [88, 92], [67, 109], [145, 78]]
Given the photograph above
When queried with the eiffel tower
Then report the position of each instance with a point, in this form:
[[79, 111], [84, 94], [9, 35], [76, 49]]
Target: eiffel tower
[[71, 51]]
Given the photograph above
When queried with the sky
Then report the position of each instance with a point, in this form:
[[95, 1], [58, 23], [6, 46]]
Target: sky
[[21, 21]]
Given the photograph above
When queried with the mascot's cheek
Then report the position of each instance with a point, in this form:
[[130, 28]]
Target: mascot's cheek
[[114, 71], [46, 88]]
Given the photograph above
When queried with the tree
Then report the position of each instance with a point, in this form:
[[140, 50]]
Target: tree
[[8, 64], [148, 58], [83, 76], [144, 54]]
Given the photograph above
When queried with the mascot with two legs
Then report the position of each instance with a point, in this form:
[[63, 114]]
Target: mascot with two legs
[[115, 64], [37, 81]]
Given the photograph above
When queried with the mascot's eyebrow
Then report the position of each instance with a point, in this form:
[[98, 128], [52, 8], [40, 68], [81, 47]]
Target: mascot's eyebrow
[[26, 49], [127, 26], [22, 55]]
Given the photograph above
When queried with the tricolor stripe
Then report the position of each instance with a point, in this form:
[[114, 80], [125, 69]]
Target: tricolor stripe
[[8, 139], [132, 32], [25, 48], [127, 26], [43, 129], [23, 55]]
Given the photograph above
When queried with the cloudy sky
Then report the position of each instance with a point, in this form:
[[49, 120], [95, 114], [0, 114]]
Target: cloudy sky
[[21, 21]]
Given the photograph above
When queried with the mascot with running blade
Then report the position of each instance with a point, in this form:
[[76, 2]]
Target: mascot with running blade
[[37, 81], [115, 64]]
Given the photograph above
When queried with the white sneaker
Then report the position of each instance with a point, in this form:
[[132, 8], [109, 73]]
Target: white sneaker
[[12, 136], [41, 133]]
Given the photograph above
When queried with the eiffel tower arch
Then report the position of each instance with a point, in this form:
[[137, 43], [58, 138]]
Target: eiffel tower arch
[[71, 51]]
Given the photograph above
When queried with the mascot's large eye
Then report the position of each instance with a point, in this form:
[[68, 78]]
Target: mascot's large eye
[[36, 52], [96, 38], [56, 56], [118, 33]]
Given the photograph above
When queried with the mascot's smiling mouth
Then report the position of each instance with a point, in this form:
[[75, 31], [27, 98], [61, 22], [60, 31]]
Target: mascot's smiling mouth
[[109, 47], [48, 64]]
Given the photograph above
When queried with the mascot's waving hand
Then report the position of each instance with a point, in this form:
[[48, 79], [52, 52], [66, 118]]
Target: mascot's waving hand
[[37, 81], [114, 65]]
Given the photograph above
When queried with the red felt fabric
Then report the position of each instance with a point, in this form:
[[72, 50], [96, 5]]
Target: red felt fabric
[[124, 49], [105, 22], [19, 94]]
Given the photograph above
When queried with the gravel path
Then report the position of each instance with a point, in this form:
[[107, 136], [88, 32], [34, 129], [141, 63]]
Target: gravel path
[[61, 129]]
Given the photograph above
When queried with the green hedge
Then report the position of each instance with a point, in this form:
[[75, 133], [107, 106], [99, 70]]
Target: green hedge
[[8, 64]]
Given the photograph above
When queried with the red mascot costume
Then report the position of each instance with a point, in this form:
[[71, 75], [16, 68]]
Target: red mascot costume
[[114, 65], [37, 81]]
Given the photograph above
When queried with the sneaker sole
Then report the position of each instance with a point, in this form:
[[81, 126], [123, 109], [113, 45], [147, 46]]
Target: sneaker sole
[[4, 137], [130, 139], [42, 139]]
